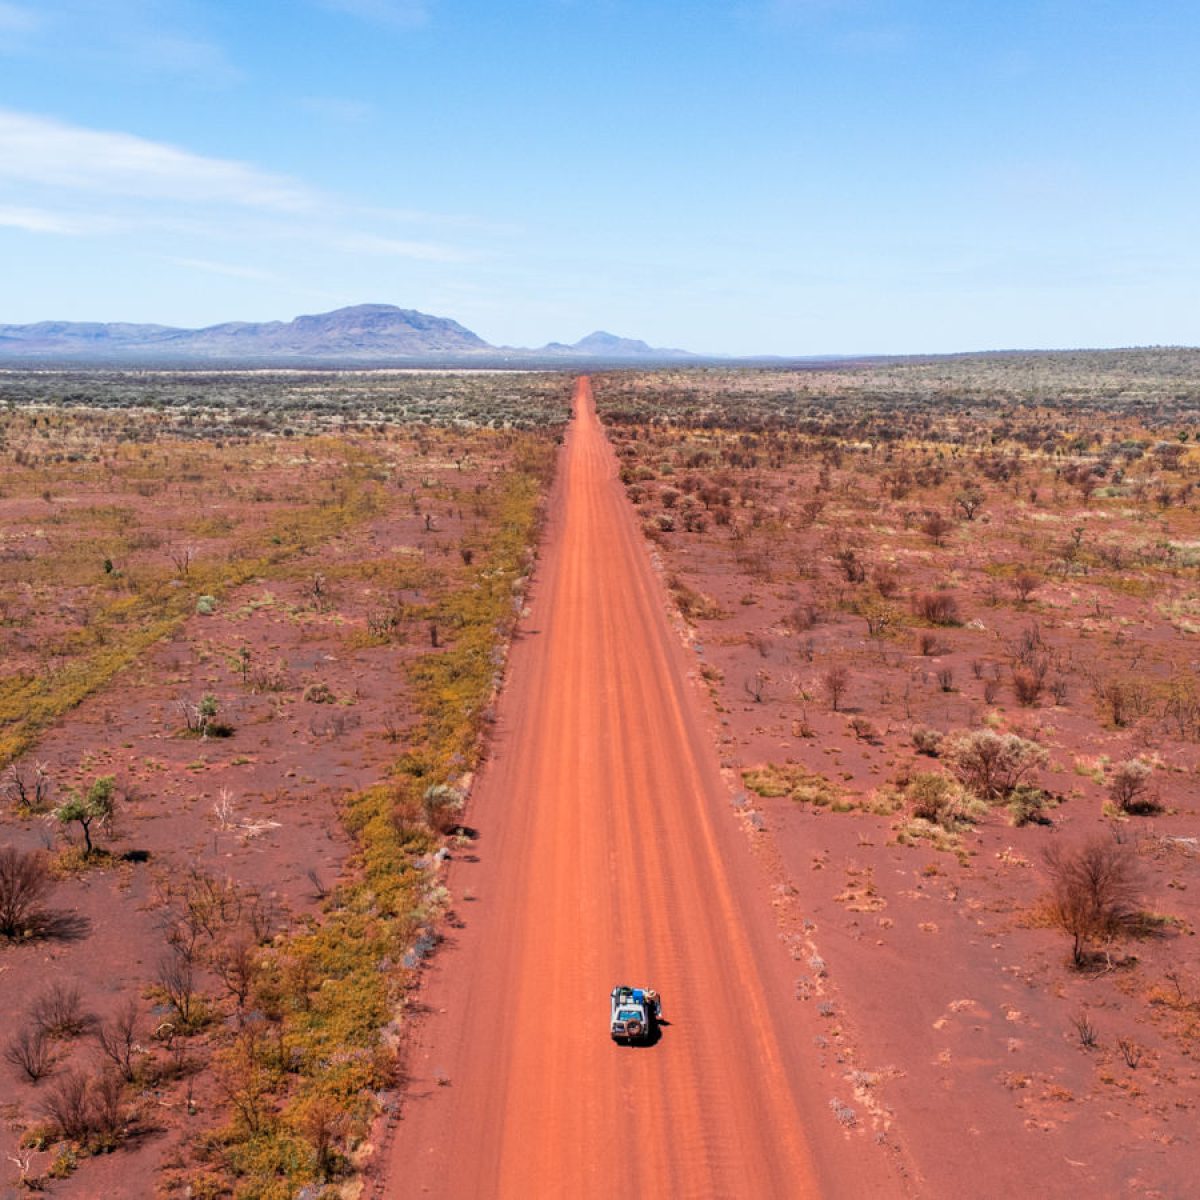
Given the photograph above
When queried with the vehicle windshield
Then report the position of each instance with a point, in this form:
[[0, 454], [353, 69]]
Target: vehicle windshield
[[629, 1014]]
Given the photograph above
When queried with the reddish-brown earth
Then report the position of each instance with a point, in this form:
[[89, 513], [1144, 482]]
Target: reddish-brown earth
[[608, 852]]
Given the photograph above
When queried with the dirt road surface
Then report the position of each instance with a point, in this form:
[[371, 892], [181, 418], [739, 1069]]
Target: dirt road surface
[[608, 853]]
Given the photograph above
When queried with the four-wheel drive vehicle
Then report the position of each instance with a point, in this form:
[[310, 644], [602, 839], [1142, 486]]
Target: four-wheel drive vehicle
[[635, 1014]]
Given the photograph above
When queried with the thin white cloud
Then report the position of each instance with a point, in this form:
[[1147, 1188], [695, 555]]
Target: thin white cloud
[[38, 220], [48, 153], [136, 37], [401, 14], [234, 270], [180, 54], [460, 221], [372, 244], [196, 211], [15, 18], [334, 108]]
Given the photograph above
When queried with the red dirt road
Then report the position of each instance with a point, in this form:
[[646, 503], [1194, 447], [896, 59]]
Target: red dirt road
[[608, 853]]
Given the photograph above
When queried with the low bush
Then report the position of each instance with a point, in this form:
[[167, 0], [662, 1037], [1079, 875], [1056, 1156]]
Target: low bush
[[938, 799], [1027, 685], [88, 1110], [927, 741], [694, 605], [992, 765], [1027, 805], [59, 1011], [1128, 787], [443, 805], [938, 608]]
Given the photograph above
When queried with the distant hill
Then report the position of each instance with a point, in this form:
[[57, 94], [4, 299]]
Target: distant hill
[[364, 333], [608, 345]]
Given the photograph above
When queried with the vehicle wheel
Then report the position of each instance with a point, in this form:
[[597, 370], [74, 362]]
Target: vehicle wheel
[[633, 1029]]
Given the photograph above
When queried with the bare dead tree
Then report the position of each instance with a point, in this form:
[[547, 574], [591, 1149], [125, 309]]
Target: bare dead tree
[[31, 1052], [323, 1126], [235, 964], [176, 976], [1085, 1029], [1131, 1052], [756, 686], [24, 882], [22, 1159], [1093, 891], [117, 1038], [67, 1108], [181, 556], [27, 786]]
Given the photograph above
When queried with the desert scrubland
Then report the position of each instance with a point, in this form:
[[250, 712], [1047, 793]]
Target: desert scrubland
[[941, 619], [947, 614], [250, 629]]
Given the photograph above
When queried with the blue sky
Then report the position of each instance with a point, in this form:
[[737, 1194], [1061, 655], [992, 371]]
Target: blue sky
[[730, 176]]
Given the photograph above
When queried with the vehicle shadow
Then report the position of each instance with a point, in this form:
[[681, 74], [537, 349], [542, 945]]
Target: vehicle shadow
[[654, 1037]]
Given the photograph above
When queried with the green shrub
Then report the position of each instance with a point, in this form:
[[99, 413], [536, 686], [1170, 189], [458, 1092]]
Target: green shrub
[[991, 765]]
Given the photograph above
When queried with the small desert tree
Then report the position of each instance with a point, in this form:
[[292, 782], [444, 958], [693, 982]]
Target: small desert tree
[[969, 501], [95, 808], [1025, 583], [201, 717], [937, 528], [1093, 891], [835, 682]]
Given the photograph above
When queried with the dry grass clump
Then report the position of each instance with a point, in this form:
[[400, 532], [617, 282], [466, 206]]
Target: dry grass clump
[[936, 798], [797, 783], [694, 605]]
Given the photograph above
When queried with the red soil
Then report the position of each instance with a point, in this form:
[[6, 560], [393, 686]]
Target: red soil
[[608, 853]]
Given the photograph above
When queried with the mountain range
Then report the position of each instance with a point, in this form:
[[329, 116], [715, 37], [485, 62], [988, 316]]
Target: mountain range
[[364, 333]]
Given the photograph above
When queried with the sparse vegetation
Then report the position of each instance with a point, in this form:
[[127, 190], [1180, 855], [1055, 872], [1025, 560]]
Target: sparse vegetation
[[1000, 551], [271, 1010]]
